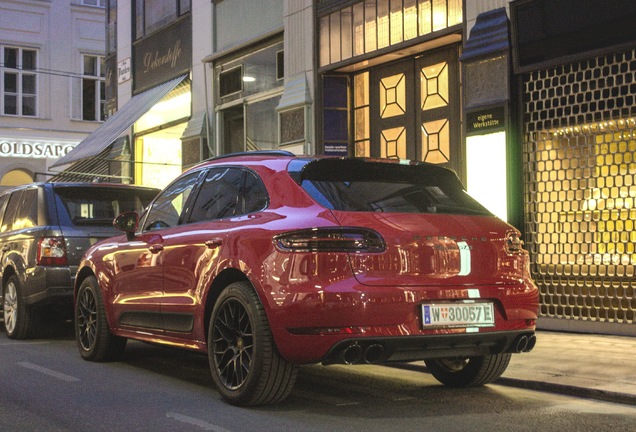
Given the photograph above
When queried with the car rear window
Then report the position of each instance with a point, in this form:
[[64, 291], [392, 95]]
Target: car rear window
[[99, 205], [363, 186]]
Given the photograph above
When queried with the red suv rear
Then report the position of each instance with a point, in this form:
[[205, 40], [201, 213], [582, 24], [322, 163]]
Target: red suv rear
[[269, 261]]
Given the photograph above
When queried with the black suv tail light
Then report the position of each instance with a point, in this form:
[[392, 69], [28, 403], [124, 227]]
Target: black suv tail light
[[333, 239], [52, 252]]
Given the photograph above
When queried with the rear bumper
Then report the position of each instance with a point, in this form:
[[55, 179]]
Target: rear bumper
[[50, 284], [411, 348]]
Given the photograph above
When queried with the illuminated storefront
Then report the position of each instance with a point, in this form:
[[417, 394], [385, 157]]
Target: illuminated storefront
[[579, 142], [390, 79]]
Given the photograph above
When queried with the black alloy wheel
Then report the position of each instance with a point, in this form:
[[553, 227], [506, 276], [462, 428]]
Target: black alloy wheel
[[94, 339], [244, 362]]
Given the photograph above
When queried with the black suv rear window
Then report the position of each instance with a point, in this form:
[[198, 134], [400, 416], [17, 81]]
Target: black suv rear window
[[99, 205], [363, 186]]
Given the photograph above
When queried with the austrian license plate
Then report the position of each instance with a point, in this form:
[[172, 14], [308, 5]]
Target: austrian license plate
[[464, 314]]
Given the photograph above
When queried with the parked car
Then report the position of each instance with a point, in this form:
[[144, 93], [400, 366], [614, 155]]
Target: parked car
[[266, 261], [45, 229]]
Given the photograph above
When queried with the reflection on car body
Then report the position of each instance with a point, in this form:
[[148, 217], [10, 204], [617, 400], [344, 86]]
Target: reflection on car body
[[266, 261]]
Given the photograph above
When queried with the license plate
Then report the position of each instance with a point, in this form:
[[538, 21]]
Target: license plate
[[458, 315]]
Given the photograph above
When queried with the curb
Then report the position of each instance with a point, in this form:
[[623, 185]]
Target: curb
[[588, 393], [547, 387]]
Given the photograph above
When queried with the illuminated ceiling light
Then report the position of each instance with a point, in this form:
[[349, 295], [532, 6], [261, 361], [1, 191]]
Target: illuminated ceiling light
[[249, 79]]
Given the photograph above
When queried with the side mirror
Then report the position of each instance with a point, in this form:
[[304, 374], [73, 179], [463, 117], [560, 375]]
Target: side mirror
[[128, 223]]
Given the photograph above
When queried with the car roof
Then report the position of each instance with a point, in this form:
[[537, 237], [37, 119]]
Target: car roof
[[76, 184], [277, 155]]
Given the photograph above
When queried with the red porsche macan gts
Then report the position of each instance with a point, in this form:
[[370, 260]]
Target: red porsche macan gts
[[266, 261]]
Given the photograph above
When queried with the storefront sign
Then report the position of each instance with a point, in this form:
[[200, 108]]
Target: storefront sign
[[123, 71], [485, 120], [34, 150], [162, 56], [336, 150]]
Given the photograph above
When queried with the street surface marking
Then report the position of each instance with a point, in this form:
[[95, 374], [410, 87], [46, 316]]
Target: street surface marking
[[195, 422], [48, 372], [22, 343]]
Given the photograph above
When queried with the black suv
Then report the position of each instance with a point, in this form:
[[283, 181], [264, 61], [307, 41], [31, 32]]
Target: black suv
[[45, 228]]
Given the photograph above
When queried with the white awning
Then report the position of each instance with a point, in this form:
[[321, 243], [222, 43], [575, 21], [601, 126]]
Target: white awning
[[118, 123]]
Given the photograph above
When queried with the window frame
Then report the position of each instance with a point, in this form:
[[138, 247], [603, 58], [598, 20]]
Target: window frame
[[142, 28], [20, 73], [79, 96], [160, 199]]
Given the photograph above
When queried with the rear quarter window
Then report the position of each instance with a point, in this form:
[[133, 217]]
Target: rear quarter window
[[3, 206], [99, 206]]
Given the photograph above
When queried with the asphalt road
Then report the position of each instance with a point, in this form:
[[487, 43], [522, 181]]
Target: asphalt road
[[46, 386]]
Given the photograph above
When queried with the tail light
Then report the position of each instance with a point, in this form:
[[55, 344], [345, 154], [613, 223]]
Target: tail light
[[52, 252], [333, 239]]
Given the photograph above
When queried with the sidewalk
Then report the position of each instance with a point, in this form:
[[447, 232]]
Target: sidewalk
[[593, 366]]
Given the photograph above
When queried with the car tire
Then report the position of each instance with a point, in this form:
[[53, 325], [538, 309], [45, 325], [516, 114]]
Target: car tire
[[92, 333], [245, 365], [468, 371], [20, 320]]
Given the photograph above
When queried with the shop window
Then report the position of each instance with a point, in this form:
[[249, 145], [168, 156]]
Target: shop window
[[336, 115], [152, 15], [280, 65], [250, 73], [362, 131], [16, 177], [436, 141], [580, 193], [249, 92], [231, 81], [89, 91], [18, 83], [261, 120], [370, 25]]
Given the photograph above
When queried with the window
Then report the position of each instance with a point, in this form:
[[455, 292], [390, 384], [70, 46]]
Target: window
[[151, 15], [169, 206], [219, 195], [99, 3], [19, 81], [99, 205], [3, 205], [27, 216], [370, 25], [111, 27], [89, 92], [21, 211], [349, 185], [229, 192]]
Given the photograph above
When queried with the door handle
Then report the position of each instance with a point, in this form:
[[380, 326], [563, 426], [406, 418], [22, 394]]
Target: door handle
[[214, 243], [155, 248]]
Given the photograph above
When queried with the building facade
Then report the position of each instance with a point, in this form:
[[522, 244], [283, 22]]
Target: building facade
[[532, 107], [51, 83]]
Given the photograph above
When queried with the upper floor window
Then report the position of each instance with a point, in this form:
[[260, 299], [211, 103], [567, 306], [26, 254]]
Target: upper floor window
[[151, 15], [99, 3], [111, 26], [18, 81], [89, 91]]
